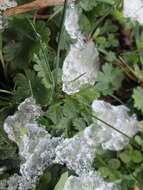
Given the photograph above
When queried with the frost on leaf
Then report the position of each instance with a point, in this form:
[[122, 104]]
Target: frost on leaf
[[5, 4], [88, 181], [81, 64], [118, 117], [133, 9], [36, 146]]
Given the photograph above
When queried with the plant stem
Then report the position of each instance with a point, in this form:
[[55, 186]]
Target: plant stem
[[59, 40]]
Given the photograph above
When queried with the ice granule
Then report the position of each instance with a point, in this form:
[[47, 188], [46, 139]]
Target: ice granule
[[118, 117], [88, 181], [82, 62], [5, 4], [133, 9], [36, 146]]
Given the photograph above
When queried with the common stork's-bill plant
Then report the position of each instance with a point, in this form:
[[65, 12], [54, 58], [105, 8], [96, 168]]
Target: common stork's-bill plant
[[71, 111]]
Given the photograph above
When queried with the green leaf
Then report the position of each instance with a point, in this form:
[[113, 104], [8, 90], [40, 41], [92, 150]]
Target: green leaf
[[109, 80], [137, 156], [43, 69], [138, 96], [61, 182], [114, 163], [104, 172], [125, 156]]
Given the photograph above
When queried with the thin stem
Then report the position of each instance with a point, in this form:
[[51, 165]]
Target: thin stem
[[6, 91], [59, 39]]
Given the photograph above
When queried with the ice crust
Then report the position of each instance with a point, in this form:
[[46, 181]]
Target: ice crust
[[118, 117], [77, 153], [133, 9], [82, 62], [39, 150], [5, 4], [88, 181], [36, 146]]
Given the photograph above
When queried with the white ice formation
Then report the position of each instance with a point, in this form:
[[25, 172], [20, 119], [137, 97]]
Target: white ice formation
[[118, 117], [39, 150], [133, 9], [88, 181], [36, 146], [82, 62], [77, 153], [5, 4]]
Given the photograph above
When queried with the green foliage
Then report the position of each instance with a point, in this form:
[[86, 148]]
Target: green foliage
[[137, 96], [27, 54], [109, 79]]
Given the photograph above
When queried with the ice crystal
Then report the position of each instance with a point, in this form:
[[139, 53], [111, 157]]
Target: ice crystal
[[133, 9], [82, 62], [10, 184], [5, 4], [118, 117], [36, 146], [76, 152], [88, 181]]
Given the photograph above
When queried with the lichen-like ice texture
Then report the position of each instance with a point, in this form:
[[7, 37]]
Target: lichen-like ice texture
[[77, 153], [36, 146], [133, 9], [5, 4], [88, 181], [39, 150], [82, 62], [118, 117]]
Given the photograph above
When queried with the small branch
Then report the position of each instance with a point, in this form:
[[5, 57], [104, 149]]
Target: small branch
[[37, 4]]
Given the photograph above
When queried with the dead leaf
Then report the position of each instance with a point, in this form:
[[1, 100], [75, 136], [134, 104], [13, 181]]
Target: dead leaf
[[37, 4]]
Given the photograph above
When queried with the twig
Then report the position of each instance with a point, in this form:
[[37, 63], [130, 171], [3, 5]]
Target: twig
[[38, 4]]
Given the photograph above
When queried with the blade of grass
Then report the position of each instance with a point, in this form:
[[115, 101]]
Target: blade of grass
[[59, 39]]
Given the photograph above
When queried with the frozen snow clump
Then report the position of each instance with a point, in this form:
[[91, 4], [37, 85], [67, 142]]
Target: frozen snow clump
[[133, 9], [118, 117], [88, 181], [36, 145], [5, 4], [82, 62], [78, 152]]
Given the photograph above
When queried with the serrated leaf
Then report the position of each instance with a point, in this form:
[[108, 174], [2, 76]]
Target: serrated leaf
[[138, 97], [109, 79]]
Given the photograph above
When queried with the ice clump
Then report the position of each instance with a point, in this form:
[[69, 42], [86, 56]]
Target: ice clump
[[36, 146], [133, 9], [77, 153], [88, 181], [5, 4], [118, 117], [82, 62]]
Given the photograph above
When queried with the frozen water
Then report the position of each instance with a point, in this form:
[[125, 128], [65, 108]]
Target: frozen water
[[118, 117], [133, 9], [88, 181], [76, 152], [5, 4], [82, 62], [36, 145]]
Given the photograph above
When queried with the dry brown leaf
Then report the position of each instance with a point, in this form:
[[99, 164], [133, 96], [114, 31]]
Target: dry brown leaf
[[137, 187], [37, 4]]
